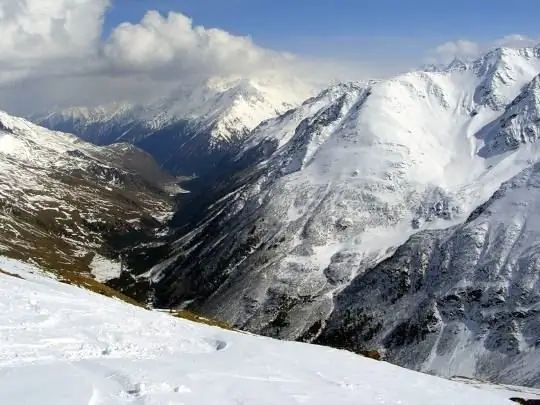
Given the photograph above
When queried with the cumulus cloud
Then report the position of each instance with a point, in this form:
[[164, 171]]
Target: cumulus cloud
[[37, 34], [37, 29], [56, 47], [172, 43], [53, 55], [44, 34]]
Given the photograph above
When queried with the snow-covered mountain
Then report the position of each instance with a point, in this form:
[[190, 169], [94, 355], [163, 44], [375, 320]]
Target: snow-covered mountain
[[190, 129], [63, 345], [65, 203], [458, 301], [330, 190]]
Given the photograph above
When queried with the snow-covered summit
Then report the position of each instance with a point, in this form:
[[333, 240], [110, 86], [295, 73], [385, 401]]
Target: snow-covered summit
[[281, 129], [500, 69], [228, 105]]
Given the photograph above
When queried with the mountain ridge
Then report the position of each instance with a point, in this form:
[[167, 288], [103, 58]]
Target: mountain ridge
[[281, 229], [194, 122], [342, 182], [70, 205]]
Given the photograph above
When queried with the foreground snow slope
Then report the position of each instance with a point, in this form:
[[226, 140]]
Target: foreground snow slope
[[63, 345]]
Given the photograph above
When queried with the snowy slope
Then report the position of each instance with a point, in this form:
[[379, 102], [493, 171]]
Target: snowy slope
[[347, 178], [62, 345], [459, 301], [62, 199], [202, 119]]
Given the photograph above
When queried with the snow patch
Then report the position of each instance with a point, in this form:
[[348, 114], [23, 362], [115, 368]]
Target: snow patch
[[104, 269]]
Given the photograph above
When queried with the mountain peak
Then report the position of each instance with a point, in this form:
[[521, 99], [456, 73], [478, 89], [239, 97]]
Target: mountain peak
[[207, 101], [194, 123]]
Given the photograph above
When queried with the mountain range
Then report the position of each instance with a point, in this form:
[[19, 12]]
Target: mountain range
[[190, 129], [396, 215]]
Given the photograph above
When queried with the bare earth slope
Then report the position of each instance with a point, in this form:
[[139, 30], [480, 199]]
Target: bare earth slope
[[63, 201]]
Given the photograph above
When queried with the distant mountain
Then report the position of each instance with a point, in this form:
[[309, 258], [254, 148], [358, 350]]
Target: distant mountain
[[189, 130], [331, 192], [72, 206]]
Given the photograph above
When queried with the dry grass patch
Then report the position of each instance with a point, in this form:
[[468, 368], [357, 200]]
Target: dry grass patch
[[371, 354], [190, 316], [7, 273], [83, 281]]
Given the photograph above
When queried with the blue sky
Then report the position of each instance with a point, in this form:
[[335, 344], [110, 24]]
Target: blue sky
[[346, 28]]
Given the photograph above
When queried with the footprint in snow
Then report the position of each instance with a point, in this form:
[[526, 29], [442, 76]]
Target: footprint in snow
[[218, 344], [141, 389], [221, 345]]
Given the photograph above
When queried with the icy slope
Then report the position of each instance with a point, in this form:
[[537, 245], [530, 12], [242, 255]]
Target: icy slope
[[344, 180], [63, 200], [62, 345], [194, 122]]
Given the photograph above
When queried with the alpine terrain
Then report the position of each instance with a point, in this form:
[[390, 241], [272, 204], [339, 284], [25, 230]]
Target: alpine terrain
[[190, 129], [71, 206], [396, 215]]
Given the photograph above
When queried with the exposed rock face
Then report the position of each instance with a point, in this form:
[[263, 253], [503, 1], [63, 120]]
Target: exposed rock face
[[460, 301]]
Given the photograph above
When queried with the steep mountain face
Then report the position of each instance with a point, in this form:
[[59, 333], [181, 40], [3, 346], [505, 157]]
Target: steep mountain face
[[189, 130], [458, 301], [327, 192], [518, 125], [68, 205]]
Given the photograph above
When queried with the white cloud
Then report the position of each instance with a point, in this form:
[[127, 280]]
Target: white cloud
[[461, 48], [38, 36], [466, 49], [516, 41], [45, 29], [62, 38], [55, 48], [173, 45]]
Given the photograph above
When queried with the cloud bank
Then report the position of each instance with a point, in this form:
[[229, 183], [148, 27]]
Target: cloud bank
[[173, 44], [53, 55]]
